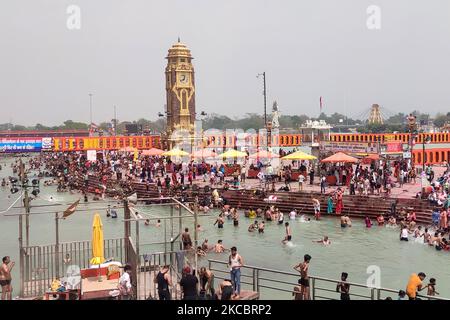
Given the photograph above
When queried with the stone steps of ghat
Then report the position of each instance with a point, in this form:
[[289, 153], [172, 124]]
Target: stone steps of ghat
[[356, 206]]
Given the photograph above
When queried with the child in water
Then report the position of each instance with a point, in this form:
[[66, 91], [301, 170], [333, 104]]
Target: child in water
[[432, 288]]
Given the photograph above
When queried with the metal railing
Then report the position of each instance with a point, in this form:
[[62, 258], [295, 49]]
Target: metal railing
[[277, 284], [43, 264], [151, 264]]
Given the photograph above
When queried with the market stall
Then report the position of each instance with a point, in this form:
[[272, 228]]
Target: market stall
[[299, 156], [340, 158]]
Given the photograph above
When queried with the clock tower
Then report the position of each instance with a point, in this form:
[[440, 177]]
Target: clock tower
[[180, 89]]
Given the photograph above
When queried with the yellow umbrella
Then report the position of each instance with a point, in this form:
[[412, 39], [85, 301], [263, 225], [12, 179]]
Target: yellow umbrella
[[299, 155], [97, 241], [175, 153], [232, 154]]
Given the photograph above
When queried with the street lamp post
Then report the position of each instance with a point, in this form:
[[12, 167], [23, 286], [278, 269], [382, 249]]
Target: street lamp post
[[424, 141], [90, 108], [265, 103]]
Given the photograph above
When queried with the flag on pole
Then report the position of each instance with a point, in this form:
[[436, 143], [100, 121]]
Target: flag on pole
[[321, 104], [71, 209]]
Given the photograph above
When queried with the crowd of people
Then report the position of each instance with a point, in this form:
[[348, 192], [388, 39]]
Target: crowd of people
[[70, 172]]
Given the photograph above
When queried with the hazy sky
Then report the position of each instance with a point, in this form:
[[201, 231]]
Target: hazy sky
[[307, 48]]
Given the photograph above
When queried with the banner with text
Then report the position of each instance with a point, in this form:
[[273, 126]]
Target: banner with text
[[18, 145]]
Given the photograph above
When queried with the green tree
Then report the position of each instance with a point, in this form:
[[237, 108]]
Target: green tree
[[71, 125]]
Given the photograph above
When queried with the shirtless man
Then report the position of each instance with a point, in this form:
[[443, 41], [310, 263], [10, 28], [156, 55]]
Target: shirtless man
[[186, 239], [288, 233], [205, 246], [220, 221], [5, 278], [380, 220], [261, 226], [348, 221], [392, 221], [219, 248], [302, 268]]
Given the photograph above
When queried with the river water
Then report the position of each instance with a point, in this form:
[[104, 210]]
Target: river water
[[352, 250]]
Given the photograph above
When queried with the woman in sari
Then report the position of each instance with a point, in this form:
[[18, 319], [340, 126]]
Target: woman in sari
[[330, 205], [339, 201]]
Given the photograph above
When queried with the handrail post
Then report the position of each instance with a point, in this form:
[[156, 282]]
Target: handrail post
[[22, 258], [254, 279], [313, 288], [372, 294], [257, 280]]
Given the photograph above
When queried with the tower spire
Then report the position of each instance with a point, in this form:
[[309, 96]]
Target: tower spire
[[179, 39]]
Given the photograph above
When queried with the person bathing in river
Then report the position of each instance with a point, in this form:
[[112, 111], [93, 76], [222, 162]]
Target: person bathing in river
[[219, 248], [261, 226], [368, 222], [293, 214], [380, 220], [205, 246], [253, 227], [220, 221], [316, 204], [288, 233], [325, 241]]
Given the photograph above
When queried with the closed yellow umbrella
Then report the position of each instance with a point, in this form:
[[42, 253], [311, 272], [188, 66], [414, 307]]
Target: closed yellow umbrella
[[299, 155], [175, 153], [232, 154], [97, 241]]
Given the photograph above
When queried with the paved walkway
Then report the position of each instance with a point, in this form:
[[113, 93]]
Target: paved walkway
[[409, 190]]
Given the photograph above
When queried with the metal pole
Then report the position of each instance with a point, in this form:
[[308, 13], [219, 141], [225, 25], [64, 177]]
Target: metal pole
[[57, 245], [137, 267], [171, 230], [196, 237], [27, 217], [90, 108], [423, 153], [126, 232], [21, 257], [26, 203], [180, 227], [115, 121], [165, 237], [265, 99]]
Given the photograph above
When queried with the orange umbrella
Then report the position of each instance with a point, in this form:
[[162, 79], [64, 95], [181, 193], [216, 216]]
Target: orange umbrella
[[264, 154], [152, 152], [203, 153], [340, 157]]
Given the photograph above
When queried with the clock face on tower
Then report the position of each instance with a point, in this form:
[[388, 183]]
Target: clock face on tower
[[184, 78]]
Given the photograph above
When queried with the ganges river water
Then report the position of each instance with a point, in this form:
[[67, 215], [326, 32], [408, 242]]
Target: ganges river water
[[352, 250]]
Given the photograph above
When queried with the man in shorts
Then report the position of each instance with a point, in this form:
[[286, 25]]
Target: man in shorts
[[304, 279], [5, 278]]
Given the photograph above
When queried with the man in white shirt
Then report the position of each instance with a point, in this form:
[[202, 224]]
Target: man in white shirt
[[243, 173], [125, 287], [301, 179]]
